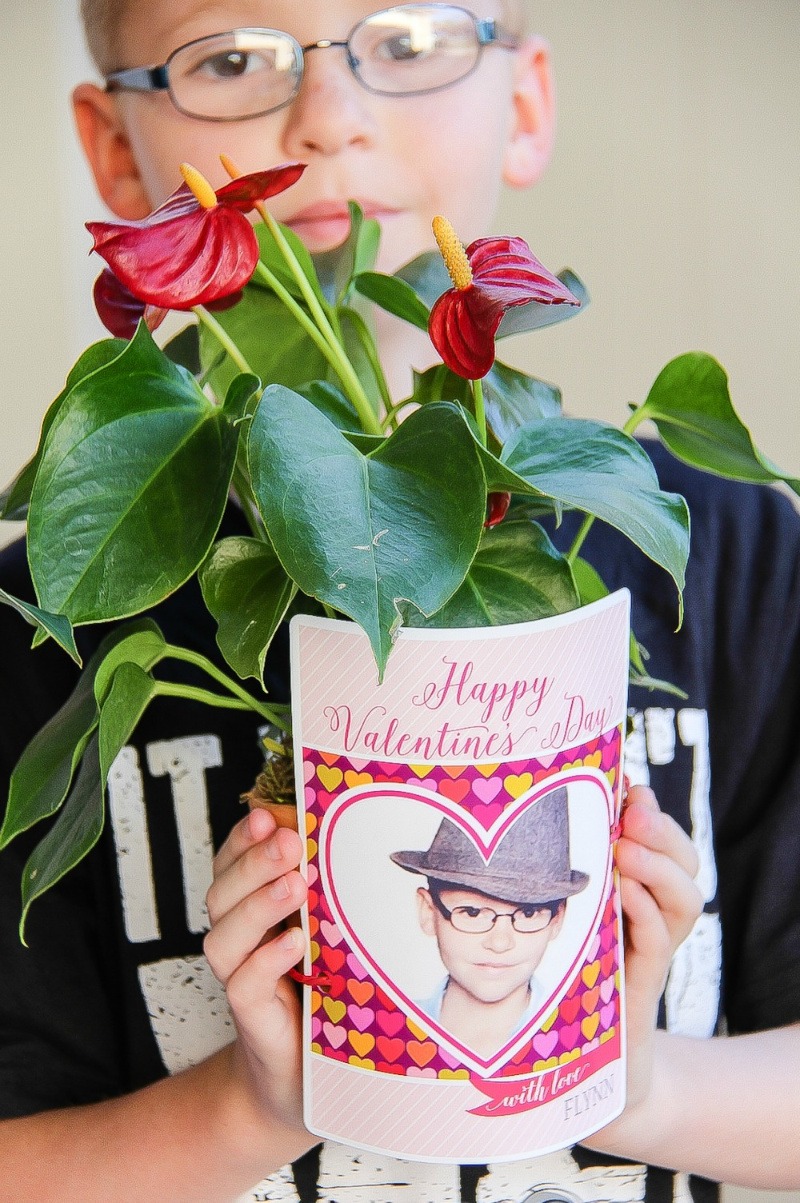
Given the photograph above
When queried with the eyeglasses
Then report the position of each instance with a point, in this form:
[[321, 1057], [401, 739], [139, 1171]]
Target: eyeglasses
[[402, 51], [481, 919]]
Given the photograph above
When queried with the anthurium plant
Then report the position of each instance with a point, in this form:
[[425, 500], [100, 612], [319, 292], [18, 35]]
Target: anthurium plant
[[422, 512]]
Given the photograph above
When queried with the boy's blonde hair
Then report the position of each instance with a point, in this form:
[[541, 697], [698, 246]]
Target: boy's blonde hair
[[102, 19]]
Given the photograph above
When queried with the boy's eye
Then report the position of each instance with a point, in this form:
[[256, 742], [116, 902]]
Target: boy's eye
[[401, 49], [471, 912], [232, 64]]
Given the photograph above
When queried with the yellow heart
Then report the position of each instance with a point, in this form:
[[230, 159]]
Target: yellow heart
[[518, 785], [313, 948], [311, 823], [594, 760], [361, 1062], [565, 1058], [335, 1009], [487, 770], [316, 1048], [330, 778], [421, 770], [454, 1073], [612, 777], [589, 1025], [550, 1063], [551, 1018], [312, 848], [420, 1033], [589, 973], [362, 1042], [609, 1035], [353, 779]]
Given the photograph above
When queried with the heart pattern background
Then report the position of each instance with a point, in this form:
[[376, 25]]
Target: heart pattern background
[[354, 1021]]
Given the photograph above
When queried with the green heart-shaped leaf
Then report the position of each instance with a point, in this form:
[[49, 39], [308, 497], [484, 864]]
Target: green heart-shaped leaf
[[247, 592], [363, 533], [15, 498], [691, 406], [131, 487], [598, 469], [337, 268], [394, 295], [517, 575]]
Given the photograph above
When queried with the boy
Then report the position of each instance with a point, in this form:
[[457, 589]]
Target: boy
[[113, 987], [490, 990]]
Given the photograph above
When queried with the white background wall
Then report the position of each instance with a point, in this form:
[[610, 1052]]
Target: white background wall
[[675, 193]]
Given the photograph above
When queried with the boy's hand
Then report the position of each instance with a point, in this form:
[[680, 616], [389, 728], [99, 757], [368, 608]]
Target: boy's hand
[[256, 886], [660, 903]]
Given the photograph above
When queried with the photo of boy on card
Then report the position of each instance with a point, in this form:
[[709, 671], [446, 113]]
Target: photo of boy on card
[[493, 920]]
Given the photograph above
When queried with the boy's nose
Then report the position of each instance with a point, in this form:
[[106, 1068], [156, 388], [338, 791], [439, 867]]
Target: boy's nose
[[500, 936], [331, 110]]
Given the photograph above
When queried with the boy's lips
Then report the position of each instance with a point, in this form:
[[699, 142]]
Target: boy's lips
[[327, 224]]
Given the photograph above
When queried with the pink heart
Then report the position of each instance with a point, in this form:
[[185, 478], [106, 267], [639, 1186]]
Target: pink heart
[[570, 1036], [414, 1071], [486, 815], [316, 1026], [310, 795], [335, 1036], [309, 770], [607, 937], [607, 989], [391, 1022], [312, 875], [355, 967], [360, 1017], [607, 1015], [591, 1046], [487, 790], [331, 932], [593, 950], [544, 1043]]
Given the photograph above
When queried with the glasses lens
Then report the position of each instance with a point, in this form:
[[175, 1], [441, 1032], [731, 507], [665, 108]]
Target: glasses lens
[[414, 48], [528, 918], [235, 75]]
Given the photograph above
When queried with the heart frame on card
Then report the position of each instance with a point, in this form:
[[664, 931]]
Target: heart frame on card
[[486, 840]]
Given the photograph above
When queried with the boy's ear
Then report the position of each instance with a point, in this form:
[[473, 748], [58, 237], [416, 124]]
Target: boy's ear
[[425, 911], [530, 143], [108, 150]]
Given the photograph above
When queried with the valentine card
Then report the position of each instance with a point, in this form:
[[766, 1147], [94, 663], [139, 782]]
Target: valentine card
[[465, 999]]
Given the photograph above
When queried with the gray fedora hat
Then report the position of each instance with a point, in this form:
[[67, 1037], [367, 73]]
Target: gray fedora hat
[[530, 864]]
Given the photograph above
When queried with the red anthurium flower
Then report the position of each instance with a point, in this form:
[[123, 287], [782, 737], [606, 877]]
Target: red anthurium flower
[[119, 310], [196, 248], [496, 508], [489, 277]]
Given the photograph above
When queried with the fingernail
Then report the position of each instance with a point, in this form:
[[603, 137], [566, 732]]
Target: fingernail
[[293, 938], [278, 889], [274, 851]]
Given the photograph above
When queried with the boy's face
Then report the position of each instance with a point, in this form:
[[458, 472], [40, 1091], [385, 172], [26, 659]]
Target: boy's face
[[490, 965], [405, 159]]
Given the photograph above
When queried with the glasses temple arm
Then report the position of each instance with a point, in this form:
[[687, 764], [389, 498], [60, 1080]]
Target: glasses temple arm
[[138, 79]]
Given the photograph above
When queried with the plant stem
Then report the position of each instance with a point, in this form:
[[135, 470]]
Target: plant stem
[[390, 418], [368, 344], [633, 421], [480, 411], [339, 360], [578, 541], [245, 700], [169, 689], [225, 340]]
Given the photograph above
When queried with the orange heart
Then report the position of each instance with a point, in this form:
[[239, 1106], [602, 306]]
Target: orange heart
[[313, 925], [352, 779], [590, 1024], [487, 770], [316, 1001], [330, 778], [421, 1053], [362, 992], [589, 1001], [311, 823], [362, 1042], [454, 770], [589, 973], [518, 785]]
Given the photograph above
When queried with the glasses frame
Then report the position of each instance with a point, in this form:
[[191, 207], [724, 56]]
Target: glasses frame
[[488, 32], [552, 907]]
